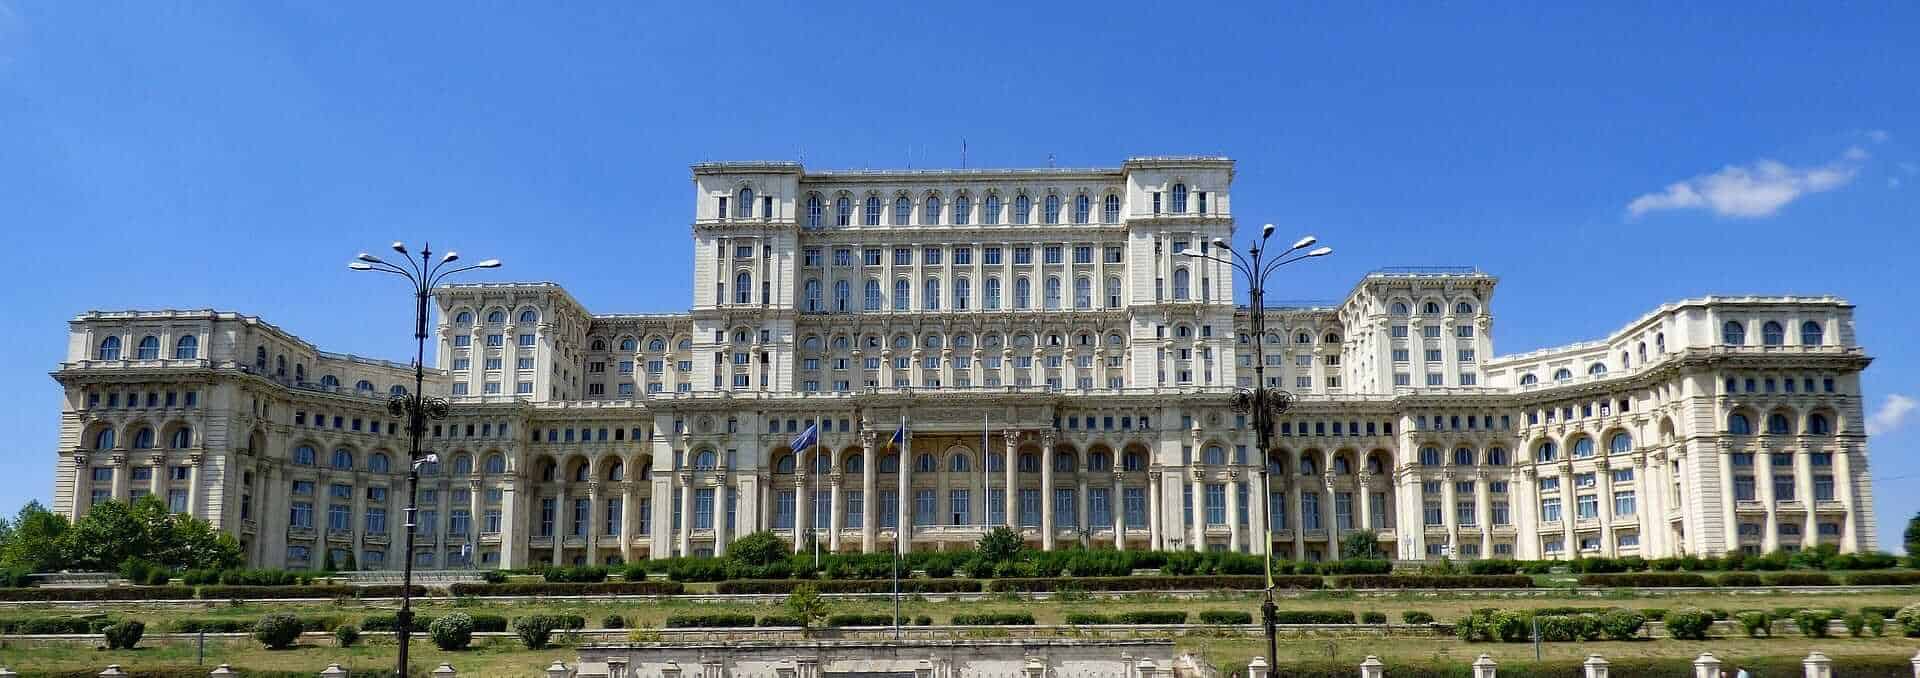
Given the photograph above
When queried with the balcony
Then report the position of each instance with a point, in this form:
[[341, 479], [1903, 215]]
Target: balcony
[[374, 538], [302, 533], [540, 542]]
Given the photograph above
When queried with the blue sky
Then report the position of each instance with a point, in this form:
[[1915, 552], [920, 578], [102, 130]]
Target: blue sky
[[1600, 160]]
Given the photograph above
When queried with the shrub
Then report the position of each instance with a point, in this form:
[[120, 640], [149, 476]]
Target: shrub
[[124, 635], [1151, 617], [1738, 579], [994, 619], [277, 631], [391, 622], [1688, 623], [1645, 579], [582, 574], [1881, 611], [1416, 617], [619, 588], [1557, 628], [452, 632], [1373, 617], [1654, 613], [1909, 620], [493, 576], [1815, 623], [346, 635], [860, 620], [923, 620], [1902, 578], [191, 625], [1493, 567], [1434, 581], [759, 549], [1856, 624], [697, 569], [258, 578], [1799, 579], [613, 621], [15, 577], [1224, 617], [1876, 624], [771, 586], [1087, 619], [780, 620], [1356, 566], [534, 630], [717, 620], [1621, 623], [1756, 623], [1314, 617]]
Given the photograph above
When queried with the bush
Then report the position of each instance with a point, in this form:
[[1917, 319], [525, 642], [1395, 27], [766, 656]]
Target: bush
[[759, 549], [493, 576], [1493, 567], [1902, 578], [994, 619], [1798, 579], [860, 620], [124, 635], [1688, 623], [618, 588], [346, 635], [697, 569], [1153, 583], [1314, 617], [613, 621], [258, 578], [713, 620], [1416, 617], [1621, 623], [1815, 623], [1373, 617], [1087, 619], [1645, 579], [1225, 617], [583, 574], [1434, 581], [773, 586], [1856, 624], [391, 622], [277, 631], [15, 577], [452, 632], [1151, 617], [1356, 566], [1742, 579], [1558, 628], [780, 620], [1909, 620], [191, 625], [1876, 624], [923, 620], [1757, 623], [534, 630]]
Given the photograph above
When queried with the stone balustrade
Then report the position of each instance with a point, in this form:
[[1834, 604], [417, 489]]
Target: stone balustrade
[[1815, 665]]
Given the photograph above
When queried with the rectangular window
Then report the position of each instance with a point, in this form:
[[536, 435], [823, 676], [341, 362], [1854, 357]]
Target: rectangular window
[[1623, 503], [855, 509], [889, 509], [1030, 508], [1783, 488], [783, 510], [1216, 504], [923, 507], [959, 507]]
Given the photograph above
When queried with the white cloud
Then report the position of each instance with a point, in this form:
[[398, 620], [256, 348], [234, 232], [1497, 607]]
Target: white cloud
[[1756, 190], [1878, 136], [1892, 413], [1893, 182]]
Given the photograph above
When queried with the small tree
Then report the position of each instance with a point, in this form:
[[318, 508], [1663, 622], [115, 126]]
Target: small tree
[[805, 604], [1912, 539], [759, 549], [1001, 544], [534, 630], [277, 631], [1360, 544], [452, 632], [125, 634]]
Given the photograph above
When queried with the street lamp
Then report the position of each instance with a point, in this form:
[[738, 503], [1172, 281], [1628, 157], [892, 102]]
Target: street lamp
[[1261, 401], [422, 276]]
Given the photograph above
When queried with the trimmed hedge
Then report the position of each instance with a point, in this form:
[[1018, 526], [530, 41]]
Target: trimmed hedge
[[994, 619], [1373, 617], [1151, 617], [1797, 579], [53, 625], [617, 588], [1434, 581], [122, 593], [1901, 578], [780, 620], [1224, 617], [716, 620], [1742, 579], [1315, 617], [389, 622], [1416, 617], [1645, 579], [1153, 583], [575, 575], [1087, 619], [770, 586], [839, 620]]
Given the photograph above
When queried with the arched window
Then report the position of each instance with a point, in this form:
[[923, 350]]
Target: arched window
[[1497, 456], [959, 463], [1463, 457], [1620, 443], [496, 464], [1083, 292], [329, 381], [1331, 338], [814, 209], [1812, 334], [143, 439], [743, 208], [991, 295], [149, 348], [616, 470], [873, 295], [303, 455], [990, 210], [260, 358], [1110, 212], [854, 463], [1309, 467], [843, 212], [655, 344], [364, 387], [103, 440], [1733, 333], [1062, 461], [1022, 209], [1562, 374], [1179, 198], [784, 464], [1050, 210], [1082, 209], [842, 297], [529, 316], [705, 460], [1430, 308], [496, 317], [812, 293], [1180, 283], [187, 348], [1113, 291], [1028, 463], [1429, 456], [1053, 292], [871, 217], [379, 463], [1738, 424], [1133, 462], [1597, 369], [962, 210], [932, 211], [1303, 338], [1528, 379], [1214, 455], [1818, 425], [889, 464], [931, 301], [300, 372], [343, 459], [902, 211], [581, 473], [549, 472], [1022, 293], [109, 349], [599, 345], [1583, 448], [1779, 424], [182, 438], [1099, 461], [1341, 467], [1772, 334], [743, 288], [1399, 308], [822, 462], [463, 318], [962, 290], [1546, 452], [925, 464], [902, 294], [1463, 307]]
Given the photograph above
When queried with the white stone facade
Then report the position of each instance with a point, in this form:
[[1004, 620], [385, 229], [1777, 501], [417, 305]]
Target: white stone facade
[[1036, 330]]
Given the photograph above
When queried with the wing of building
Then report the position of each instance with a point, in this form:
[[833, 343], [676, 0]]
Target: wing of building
[[1035, 344]]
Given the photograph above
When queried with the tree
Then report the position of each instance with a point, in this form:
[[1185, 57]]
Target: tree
[[36, 541], [805, 604], [759, 549], [1913, 540], [113, 532], [1360, 544], [1001, 544]]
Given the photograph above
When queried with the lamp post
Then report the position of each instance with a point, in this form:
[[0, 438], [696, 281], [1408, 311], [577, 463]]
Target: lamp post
[[1261, 401], [422, 276]]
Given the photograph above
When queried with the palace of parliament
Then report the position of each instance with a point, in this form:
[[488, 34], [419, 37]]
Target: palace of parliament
[[1059, 363]]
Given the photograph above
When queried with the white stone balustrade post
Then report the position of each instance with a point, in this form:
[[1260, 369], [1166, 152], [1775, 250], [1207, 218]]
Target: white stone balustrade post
[[221, 671], [1707, 666], [333, 671], [924, 669], [671, 670], [113, 671], [445, 670], [7, 673], [1257, 668], [1486, 667], [1372, 668], [559, 670], [616, 667], [1817, 665], [1596, 666], [1916, 665], [1033, 668]]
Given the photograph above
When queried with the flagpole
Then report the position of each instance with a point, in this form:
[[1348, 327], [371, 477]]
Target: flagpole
[[899, 539], [813, 527]]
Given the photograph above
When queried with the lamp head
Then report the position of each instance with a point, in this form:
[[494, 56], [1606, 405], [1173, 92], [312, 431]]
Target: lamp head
[[1321, 252], [1192, 253], [399, 247], [1305, 242], [450, 257], [369, 258], [1222, 244], [490, 263], [360, 266], [428, 458], [1266, 231]]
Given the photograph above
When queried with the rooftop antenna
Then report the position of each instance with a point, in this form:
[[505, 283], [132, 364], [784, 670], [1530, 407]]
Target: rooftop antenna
[[1049, 161], [909, 156], [963, 153]]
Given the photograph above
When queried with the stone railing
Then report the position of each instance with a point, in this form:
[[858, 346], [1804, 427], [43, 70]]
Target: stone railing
[[1815, 665]]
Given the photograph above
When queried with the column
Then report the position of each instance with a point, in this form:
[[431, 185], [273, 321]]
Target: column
[[120, 479], [1803, 490], [1154, 542], [1646, 512], [82, 489], [193, 483], [903, 506], [803, 503], [1569, 503], [837, 507], [1233, 511], [1012, 496], [157, 485], [1297, 520], [660, 537], [1117, 504], [1603, 477], [869, 498], [1449, 495], [475, 521], [511, 555], [559, 528], [1198, 540], [358, 518], [593, 523], [1046, 490], [1483, 513], [686, 513], [1365, 481], [629, 523], [1526, 512], [720, 531], [1763, 488], [1084, 517], [1843, 491]]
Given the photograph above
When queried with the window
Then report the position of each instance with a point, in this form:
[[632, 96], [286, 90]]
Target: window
[[187, 348], [870, 217], [1082, 209], [992, 294], [872, 302], [1738, 424], [902, 290], [814, 209], [962, 212], [1733, 333], [1179, 198], [743, 208], [1777, 424], [1817, 424], [931, 213], [842, 212], [1050, 210], [1110, 213], [902, 211], [109, 349], [1812, 334], [1772, 334]]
